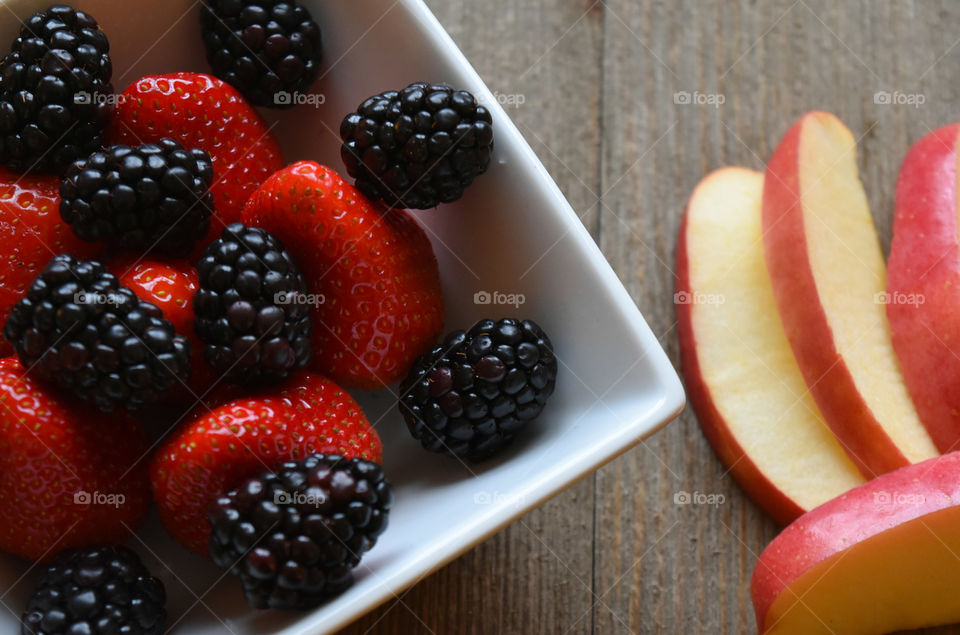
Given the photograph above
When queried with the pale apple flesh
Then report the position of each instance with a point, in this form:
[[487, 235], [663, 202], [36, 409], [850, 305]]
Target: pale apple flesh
[[924, 282], [881, 558], [829, 278], [740, 373]]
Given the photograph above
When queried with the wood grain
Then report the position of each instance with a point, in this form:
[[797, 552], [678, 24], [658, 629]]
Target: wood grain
[[615, 554]]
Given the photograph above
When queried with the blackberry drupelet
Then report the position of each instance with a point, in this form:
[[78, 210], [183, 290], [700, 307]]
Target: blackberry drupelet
[[252, 307], [267, 49], [54, 91], [470, 395], [149, 198], [78, 329], [294, 536], [417, 147], [96, 590]]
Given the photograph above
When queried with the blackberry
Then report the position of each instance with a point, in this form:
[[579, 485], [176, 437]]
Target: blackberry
[[267, 49], [78, 329], [55, 92], [96, 590], [417, 147], [150, 198], [252, 307], [470, 395], [294, 536]]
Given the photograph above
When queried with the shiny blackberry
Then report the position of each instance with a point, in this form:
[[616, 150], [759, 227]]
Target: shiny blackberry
[[78, 329], [252, 307], [97, 590], [269, 50], [149, 198], [55, 92], [417, 147], [471, 394], [294, 536]]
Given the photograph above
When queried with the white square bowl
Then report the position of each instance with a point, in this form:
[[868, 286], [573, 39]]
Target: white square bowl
[[513, 233]]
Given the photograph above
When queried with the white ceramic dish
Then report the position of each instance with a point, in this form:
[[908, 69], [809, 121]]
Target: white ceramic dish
[[512, 233]]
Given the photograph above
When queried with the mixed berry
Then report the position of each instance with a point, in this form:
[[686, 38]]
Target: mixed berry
[[158, 249], [269, 49], [294, 535], [151, 198], [82, 332], [50, 111], [472, 393], [418, 146], [97, 590], [248, 311]]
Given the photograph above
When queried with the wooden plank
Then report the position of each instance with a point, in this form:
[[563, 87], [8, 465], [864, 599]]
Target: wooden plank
[[535, 577]]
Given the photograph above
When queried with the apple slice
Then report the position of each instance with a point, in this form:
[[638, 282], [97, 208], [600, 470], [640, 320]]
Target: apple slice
[[829, 281], [740, 373], [881, 558], [924, 283]]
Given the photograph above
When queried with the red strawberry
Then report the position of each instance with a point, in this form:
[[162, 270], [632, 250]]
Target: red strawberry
[[170, 286], [71, 477], [372, 272], [31, 233], [217, 449], [200, 111]]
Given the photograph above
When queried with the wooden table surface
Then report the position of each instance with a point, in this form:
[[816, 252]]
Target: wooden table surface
[[592, 85]]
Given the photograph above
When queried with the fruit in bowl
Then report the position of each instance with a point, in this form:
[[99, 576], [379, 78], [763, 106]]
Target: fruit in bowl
[[31, 231], [186, 262], [55, 69], [214, 450], [108, 586], [243, 151], [72, 476], [374, 285]]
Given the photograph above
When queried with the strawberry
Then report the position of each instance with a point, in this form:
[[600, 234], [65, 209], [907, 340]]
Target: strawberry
[[215, 450], [31, 233], [200, 111], [170, 285], [372, 272], [72, 477]]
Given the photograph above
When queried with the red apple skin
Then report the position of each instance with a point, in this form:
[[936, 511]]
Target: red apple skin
[[925, 260], [851, 518], [757, 486], [805, 321]]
